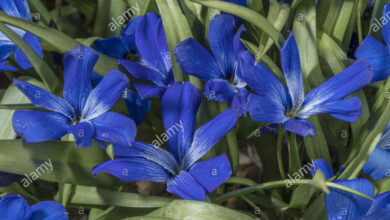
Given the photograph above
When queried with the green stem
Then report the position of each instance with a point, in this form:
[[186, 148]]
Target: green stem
[[293, 154], [255, 207], [359, 22], [279, 152]]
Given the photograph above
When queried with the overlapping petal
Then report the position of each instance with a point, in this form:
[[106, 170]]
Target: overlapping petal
[[14, 207], [378, 164], [218, 90], [142, 72], [208, 135], [265, 109], [83, 133], [48, 210], [185, 186], [34, 43], [137, 107], [301, 127], [105, 94], [16, 8], [179, 106], [115, 128], [113, 47]]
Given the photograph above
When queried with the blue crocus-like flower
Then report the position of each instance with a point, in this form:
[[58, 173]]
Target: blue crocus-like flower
[[154, 62], [20, 9], [378, 164], [83, 112], [178, 167], [15, 207], [122, 48], [220, 69], [375, 52], [341, 205], [274, 103]]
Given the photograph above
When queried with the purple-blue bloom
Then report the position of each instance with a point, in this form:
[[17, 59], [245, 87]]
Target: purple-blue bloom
[[178, 167], [122, 48], [219, 69], [377, 54], [274, 103], [341, 205], [153, 63], [15, 207], [19, 9], [378, 164], [83, 112]]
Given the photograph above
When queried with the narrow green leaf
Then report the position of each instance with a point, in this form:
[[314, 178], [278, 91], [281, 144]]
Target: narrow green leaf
[[97, 196], [70, 163], [62, 42], [86, 7], [40, 8], [117, 12], [43, 70], [249, 15]]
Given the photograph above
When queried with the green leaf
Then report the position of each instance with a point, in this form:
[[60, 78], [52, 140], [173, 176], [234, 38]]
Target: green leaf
[[116, 11], [185, 209], [70, 163], [86, 7], [40, 8], [176, 30], [84, 195], [62, 42], [316, 210], [43, 70], [248, 15]]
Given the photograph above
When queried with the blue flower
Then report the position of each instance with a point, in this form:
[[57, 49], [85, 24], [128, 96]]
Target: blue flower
[[378, 164], [122, 48], [220, 69], [153, 63], [341, 205], [274, 103], [83, 112], [19, 9], [377, 54], [15, 207], [178, 168]]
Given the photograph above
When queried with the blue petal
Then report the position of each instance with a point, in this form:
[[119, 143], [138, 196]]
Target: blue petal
[[137, 107], [4, 67], [38, 126], [48, 210], [83, 133], [238, 2], [262, 81], [221, 35], [343, 205], [208, 135], [179, 106], [78, 67], [105, 94], [42, 98], [264, 109], [151, 42], [115, 128], [133, 169], [377, 55], [8, 178], [34, 43], [239, 47], [113, 47], [128, 36], [378, 164], [239, 103], [142, 72], [149, 152], [353, 78], [301, 127], [95, 79], [195, 60], [348, 109], [322, 165], [16, 8], [386, 25], [218, 90], [147, 91], [14, 207], [185, 186], [212, 172], [6, 50], [380, 208], [292, 71]]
